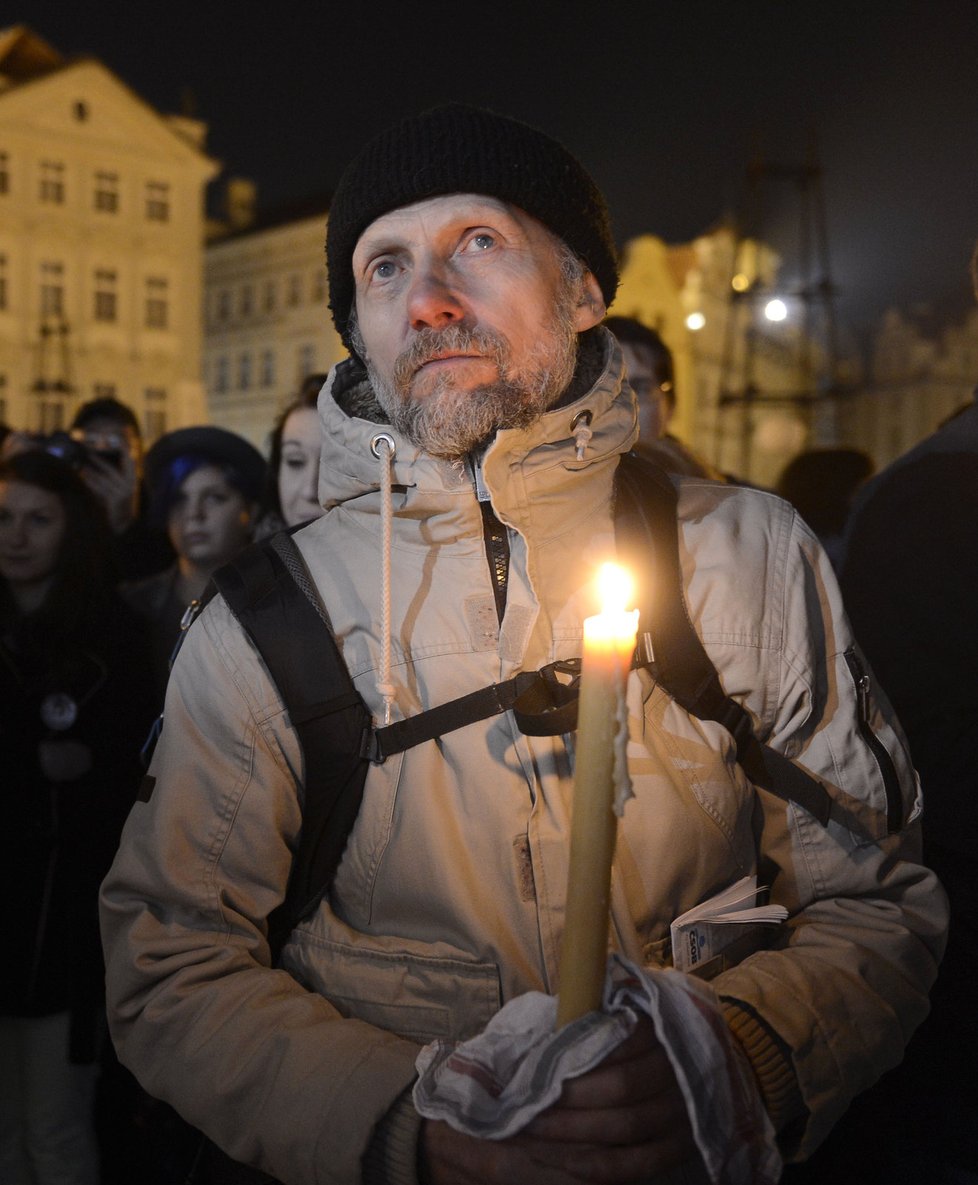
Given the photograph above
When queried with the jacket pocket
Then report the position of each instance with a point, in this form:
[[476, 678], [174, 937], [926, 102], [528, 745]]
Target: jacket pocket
[[396, 986], [862, 683]]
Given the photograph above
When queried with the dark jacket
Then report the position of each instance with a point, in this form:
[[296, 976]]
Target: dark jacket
[[58, 837], [909, 579]]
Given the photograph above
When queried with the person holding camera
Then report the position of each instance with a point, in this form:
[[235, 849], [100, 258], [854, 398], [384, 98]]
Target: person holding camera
[[75, 705], [112, 466], [105, 445]]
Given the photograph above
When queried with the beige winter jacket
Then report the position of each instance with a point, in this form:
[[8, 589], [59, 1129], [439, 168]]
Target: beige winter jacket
[[450, 897]]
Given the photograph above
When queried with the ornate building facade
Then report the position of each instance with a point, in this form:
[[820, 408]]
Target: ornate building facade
[[101, 244], [267, 324]]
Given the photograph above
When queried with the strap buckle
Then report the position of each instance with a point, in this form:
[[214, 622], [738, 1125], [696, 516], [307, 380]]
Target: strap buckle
[[548, 706], [370, 747]]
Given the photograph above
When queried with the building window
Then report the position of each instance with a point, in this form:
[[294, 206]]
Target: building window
[[268, 297], [306, 360], [294, 291], [157, 302], [244, 372], [81, 111], [155, 398], [52, 181], [268, 368], [319, 284], [52, 415], [158, 201], [107, 191], [247, 301], [106, 295], [221, 375], [52, 289], [223, 305], [4, 172], [104, 391], [3, 282]]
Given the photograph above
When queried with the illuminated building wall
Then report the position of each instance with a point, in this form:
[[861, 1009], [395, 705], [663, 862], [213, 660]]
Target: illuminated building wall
[[685, 292], [101, 244], [922, 370], [267, 320]]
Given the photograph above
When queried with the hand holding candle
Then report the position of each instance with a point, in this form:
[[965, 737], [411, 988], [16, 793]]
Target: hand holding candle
[[609, 641]]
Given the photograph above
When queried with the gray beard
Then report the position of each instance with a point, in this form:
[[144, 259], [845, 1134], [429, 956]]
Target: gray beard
[[450, 423]]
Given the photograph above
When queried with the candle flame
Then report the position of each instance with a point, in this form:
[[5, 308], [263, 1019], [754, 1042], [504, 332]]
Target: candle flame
[[615, 588]]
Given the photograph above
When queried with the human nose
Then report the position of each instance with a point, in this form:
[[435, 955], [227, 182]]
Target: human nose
[[193, 509], [433, 302]]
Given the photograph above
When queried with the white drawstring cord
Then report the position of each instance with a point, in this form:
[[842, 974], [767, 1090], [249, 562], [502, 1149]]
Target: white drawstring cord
[[382, 447], [581, 427]]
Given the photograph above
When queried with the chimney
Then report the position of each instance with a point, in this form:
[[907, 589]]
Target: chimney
[[240, 199]]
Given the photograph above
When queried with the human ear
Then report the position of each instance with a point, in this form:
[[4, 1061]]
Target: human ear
[[591, 307]]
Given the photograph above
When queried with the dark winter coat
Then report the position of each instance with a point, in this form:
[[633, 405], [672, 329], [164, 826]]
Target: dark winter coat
[[65, 702]]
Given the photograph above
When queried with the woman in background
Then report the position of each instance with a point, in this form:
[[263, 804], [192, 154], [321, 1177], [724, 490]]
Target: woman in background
[[75, 707], [292, 488]]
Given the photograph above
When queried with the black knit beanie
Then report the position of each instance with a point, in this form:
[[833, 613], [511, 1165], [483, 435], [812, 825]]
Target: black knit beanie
[[462, 149]]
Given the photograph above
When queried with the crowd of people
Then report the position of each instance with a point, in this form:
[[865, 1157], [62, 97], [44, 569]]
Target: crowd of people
[[102, 550], [488, 410]]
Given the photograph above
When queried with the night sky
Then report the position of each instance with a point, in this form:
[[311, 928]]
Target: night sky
[[664, 102]]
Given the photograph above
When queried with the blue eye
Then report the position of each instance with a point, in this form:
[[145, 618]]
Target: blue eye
[[484, 241], [384, 270]]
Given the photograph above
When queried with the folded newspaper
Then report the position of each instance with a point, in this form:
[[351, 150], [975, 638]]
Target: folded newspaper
[[494, 1084], [722, 931]]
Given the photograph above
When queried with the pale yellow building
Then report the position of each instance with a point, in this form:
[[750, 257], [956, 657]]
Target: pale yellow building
[[267, 316], [101, 244], [743, 381], [922, 370]]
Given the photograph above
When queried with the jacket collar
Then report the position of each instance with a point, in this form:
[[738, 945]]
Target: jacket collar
[[349, 469]]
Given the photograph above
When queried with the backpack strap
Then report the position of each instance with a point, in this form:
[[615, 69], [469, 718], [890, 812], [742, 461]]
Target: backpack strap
[[291, 633], [542, 704], [646, 525]]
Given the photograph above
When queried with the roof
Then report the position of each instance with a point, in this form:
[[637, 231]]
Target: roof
[[25, 56], [277, 216]]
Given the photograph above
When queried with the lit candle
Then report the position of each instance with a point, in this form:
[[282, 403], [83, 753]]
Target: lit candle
[[609, 641]]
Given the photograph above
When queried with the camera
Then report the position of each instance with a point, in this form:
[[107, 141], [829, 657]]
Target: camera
[[75, 452]]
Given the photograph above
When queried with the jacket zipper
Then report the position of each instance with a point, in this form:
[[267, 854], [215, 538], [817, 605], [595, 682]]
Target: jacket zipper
[[891, 783], [496, 539], [497, 552]]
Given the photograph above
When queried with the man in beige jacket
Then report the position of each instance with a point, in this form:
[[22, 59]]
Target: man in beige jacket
[[471, 262]]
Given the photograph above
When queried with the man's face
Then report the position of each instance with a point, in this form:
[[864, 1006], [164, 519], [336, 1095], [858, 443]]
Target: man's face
[[653, 409], [466, 318]]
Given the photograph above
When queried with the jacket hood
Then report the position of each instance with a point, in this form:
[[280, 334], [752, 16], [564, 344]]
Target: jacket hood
[[352, 420]]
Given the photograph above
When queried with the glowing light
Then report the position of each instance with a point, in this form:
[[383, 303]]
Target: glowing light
[[609, 640], [740, 282], [615, 587], [695, 322], [775, 310]]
